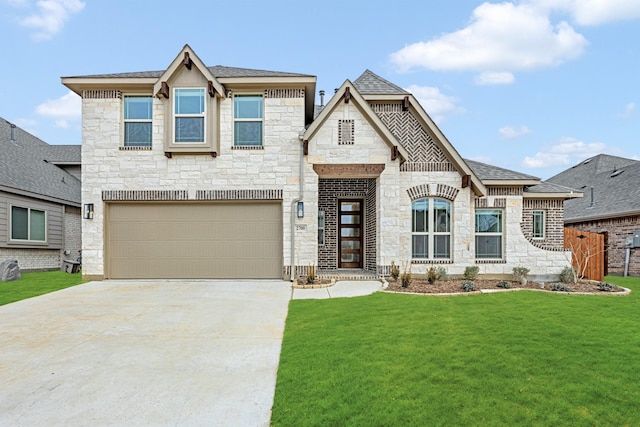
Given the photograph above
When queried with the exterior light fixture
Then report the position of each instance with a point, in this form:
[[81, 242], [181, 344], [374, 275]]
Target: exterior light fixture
[[300, 209], [88, 211]]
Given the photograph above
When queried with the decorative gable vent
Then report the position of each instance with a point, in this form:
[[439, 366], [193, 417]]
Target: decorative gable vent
[[345, 132]]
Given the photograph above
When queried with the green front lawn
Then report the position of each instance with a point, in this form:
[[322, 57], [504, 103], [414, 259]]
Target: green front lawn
[[34, 284], [517, 358]]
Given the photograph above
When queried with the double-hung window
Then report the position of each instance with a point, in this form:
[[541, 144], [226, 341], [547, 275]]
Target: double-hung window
[[488, 233], [28, 224], [137, 121], [247, 118], [431, 229], [189, 113], [538, 224]]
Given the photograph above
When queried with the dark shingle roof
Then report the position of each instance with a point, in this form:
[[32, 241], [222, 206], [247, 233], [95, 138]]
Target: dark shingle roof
[[370, 83], [490, 172], [548, 187], [217, 71], [614, 194], [26, 166]]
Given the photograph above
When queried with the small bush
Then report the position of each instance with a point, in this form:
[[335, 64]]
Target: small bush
[[405, 279], [311, 274], [504, 285], [431, 275], [395, 271], [560, 287], [567, 275], [520, 273], [605, 287], [441, 273], [468, 286], [470, 273]]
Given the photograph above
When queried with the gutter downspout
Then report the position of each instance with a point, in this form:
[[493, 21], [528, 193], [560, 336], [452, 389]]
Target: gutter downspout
[[294, 202]]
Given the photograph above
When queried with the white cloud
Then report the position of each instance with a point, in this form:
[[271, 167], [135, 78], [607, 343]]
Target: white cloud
[[567, 151], [509, 132], [500, 39], [593, 12], [495, 78], [630, 110], [435, 103], [64, 109], [51, 16]]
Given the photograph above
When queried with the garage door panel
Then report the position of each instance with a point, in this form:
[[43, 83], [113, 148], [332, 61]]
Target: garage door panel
[[207, 240]]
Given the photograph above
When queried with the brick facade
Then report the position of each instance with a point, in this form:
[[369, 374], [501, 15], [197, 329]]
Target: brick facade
[[617, 231], [554, 223]]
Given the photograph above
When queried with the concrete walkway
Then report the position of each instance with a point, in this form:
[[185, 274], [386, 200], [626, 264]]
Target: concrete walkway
[[143, 353]]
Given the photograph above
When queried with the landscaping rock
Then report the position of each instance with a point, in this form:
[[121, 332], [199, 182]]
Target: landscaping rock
[[9, 270]]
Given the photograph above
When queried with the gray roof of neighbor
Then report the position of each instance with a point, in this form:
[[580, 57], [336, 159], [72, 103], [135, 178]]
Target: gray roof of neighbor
[[27, 165], [490, 172], [616, 188], [370, 83], [217, 71]]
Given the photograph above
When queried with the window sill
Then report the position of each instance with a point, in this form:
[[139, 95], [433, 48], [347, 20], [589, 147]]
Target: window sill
[[431, 261], [247, 147], [32, 243], [134, 148], [491, 261]]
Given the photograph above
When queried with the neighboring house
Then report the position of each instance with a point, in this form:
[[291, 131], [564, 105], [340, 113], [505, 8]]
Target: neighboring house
[[611, 205], [39, 200], [220, 172]]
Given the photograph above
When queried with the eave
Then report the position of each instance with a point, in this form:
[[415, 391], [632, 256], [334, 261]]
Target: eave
[[601, 217], [563, 196], [46, 198], [137, 84]]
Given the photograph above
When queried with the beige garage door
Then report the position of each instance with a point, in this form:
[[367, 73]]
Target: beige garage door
[[194, 240]]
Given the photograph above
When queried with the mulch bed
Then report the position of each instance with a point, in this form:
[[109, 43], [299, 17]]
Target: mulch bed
[[422, 286]]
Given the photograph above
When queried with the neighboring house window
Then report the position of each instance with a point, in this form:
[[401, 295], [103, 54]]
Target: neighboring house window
[[431, 229], [488, 233], [189, 111], [137, 121], [538, 224], [321, 227], [248, 116], [28, 224]]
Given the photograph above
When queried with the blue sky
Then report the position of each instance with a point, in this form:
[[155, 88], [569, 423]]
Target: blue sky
[[534, 86]]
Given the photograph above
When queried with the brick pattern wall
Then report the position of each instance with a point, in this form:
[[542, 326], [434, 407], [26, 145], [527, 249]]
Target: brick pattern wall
[[554, 223], [34, 259], [329, 192], [72, 232], [617, 229]]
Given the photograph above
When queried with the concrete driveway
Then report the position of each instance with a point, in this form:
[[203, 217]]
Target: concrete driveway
[[143, 353]]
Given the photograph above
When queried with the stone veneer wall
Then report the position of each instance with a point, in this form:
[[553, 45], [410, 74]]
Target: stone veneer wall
[[617, 229], [554, 223], [330, 191], [33, 259]]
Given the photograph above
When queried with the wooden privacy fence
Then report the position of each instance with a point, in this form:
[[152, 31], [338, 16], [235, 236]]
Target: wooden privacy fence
[[588, 252]]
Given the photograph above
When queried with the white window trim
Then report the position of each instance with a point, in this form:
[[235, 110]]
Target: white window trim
[[432, 233], [484, 233], [10, 230], [125, 120], [252, 119], [544, 224], [175, 115]]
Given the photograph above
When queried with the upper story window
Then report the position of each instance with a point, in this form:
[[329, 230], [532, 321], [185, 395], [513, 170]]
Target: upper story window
[[538, 224], [28, 224], [247, 117], [431, 229], [189, 112], [488, 232], [137, 121]]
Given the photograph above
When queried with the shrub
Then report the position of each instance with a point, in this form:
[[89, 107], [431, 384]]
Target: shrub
[[471, 272], [431, 275], [560, 287], [605, 287], [520, 273], [468, 286], [395, 271], [504, 285], [405, 279], [441, 273], [311, 274], [567, 275]]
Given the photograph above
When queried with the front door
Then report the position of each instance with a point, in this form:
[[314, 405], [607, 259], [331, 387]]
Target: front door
[[350, 232]]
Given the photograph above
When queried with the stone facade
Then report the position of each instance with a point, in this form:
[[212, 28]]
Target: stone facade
[[617, 231]]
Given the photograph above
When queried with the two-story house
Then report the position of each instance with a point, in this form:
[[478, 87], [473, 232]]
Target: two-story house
[[221, 172]]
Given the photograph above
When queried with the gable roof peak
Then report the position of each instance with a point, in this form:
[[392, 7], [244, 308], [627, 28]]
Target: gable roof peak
[[369, 83]]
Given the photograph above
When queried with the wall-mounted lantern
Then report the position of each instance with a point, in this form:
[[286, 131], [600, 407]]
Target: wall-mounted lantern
[[88, 211]]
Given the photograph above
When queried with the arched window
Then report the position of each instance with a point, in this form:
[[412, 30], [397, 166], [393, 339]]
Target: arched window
[[431, 229]]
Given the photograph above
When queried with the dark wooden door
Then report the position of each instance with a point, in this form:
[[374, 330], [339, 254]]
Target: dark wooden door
[[350, 232]]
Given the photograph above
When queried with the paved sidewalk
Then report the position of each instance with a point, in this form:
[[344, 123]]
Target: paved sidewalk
[[143, 353], [341, 289]]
